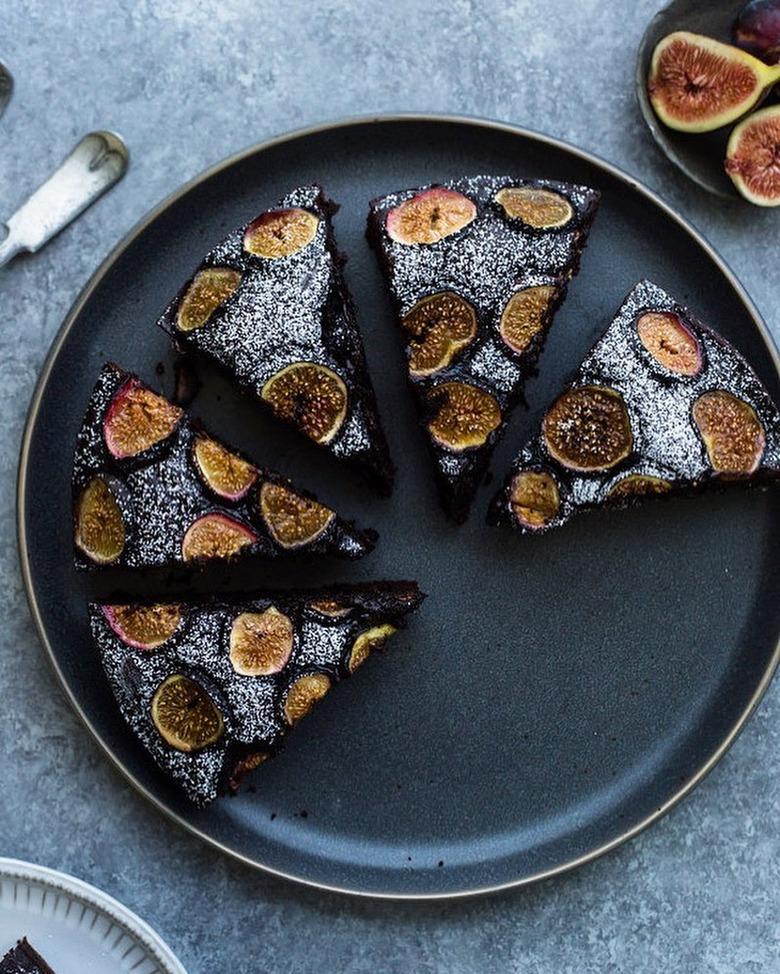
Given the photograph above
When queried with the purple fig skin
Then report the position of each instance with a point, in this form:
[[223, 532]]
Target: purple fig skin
[[757, 30]]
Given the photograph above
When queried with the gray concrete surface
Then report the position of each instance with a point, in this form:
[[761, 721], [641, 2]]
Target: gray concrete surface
[[188, 82]]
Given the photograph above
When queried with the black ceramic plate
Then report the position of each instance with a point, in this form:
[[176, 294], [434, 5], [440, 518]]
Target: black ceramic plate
[[555, 694], [699, 156]]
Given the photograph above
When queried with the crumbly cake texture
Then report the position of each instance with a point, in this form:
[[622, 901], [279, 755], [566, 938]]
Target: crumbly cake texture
[[486, 262], [325, 627], [24, 959], [160, 492], [289, 310], [666, 441]]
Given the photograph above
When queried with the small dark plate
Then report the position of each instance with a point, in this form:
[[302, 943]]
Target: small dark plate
[[555, 695], [700, 157]]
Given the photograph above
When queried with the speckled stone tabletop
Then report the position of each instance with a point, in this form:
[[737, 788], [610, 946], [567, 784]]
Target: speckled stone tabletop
[[188, 82]]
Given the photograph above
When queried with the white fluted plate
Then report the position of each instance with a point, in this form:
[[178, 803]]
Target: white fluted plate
[[74, 926]]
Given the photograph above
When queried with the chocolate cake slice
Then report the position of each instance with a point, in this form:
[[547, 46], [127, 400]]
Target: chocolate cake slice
[[24, 959], [212, 689], [476, 269], [661, 404], [152, 488], [270, 305]]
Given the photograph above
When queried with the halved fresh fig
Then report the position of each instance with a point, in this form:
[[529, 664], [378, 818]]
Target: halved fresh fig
[[136, 419], [144, 626], [440, 326], [670, 342], [757, 29], [280, 233], [542, 209], [303, 694], [697, 84], [732, 433], [524, 316], [588, 429], [242, 768], [210, 288], [534, 498], [753, 157], [465, 416], [100, 527], [366, 643], [293, 521], [639, 485], [223, 472], [311, 397], [430, 216], [216, 536], [261, 642], [185, 715]]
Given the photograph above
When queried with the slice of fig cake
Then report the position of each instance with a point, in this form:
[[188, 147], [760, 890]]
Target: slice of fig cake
[[24, 959], [269, 304], [212, 689], [152, 488], [476, 269], [660, 404]]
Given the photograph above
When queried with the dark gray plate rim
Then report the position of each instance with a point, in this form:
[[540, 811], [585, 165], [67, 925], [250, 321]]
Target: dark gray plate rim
[[73, 316]]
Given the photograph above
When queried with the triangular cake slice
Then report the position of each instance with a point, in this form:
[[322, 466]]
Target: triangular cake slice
[[476, 269], [212, 689], [24, 959], [270, 306], [660, 404], [152, 488]]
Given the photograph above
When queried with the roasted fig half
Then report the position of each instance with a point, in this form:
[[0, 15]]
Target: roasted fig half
[[331, 608], [439, 326], [757, 29], [136, 419], [243, 767], [99, 525], [588, 429], [524, 316], [226, 474], [303, 694], [753, 157], [311, 397], [465, 415], [293, 521], [215, 536], [638, 485], [185, 715], [697, 84], [539, 208], [732, 433], [210, 288], [534, 498], [430, 216], [261, 642], [366, 643], [670, 342], [144, 626], [280, 233]]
